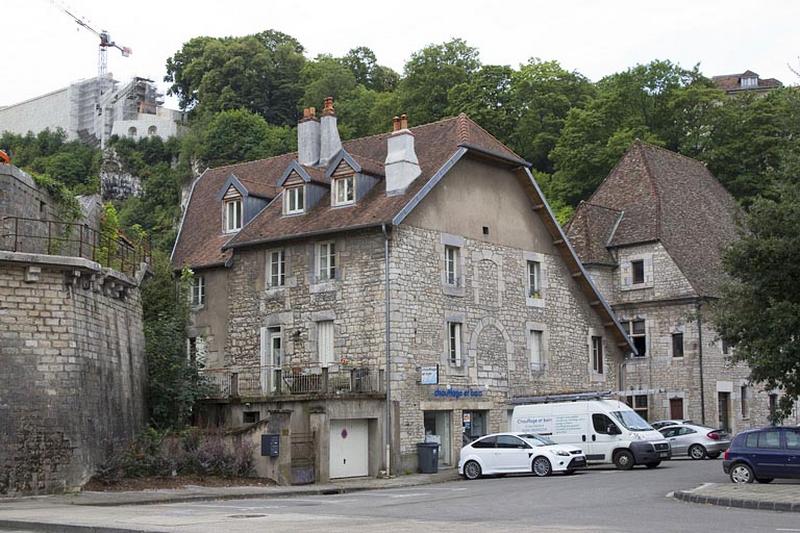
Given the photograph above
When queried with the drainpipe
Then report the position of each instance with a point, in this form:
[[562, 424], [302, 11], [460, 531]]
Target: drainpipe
[[388, 372], [700, 354]]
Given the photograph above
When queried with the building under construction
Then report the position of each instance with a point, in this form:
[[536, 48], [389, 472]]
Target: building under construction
[[94, 109]]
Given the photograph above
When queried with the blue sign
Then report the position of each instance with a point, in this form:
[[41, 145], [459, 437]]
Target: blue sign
[[457, 393]]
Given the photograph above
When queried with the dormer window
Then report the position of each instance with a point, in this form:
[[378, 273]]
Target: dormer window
[[294, 200], [344, 191], [233, 215], [749, 83]]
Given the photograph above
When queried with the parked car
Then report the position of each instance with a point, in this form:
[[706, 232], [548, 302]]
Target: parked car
[[609, 431], [697, 441], [763, 455], [658, 424], [508, 453]]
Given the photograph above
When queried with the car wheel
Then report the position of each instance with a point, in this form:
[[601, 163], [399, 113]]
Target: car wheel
[[713, 455], [764, 480], [696, 451], [541, 467], [623, 460], [741, 473], [654, 464], [472, 470]]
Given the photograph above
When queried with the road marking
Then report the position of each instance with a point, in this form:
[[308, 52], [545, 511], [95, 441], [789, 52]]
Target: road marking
[[785, 529]]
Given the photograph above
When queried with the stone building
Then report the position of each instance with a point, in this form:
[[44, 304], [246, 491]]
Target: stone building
[[651, 237], [385, 291], [71, 346]]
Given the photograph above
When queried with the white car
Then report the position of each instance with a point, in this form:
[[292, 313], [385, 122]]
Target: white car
[[509, 453]]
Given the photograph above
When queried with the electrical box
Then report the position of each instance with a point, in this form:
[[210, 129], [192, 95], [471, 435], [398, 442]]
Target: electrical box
[[270, 444]]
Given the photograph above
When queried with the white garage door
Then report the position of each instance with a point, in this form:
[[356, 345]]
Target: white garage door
[[349, 448]]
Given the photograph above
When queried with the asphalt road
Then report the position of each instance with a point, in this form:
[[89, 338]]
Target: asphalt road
[[600, 499]]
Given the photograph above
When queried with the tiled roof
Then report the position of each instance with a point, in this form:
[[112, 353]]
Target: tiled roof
[[662, 196], [201, 240], [732, 82]]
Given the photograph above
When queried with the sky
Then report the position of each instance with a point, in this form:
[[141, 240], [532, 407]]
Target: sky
[[44, 50]]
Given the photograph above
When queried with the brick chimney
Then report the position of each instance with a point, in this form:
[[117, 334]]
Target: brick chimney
[[330, 143], [308, 139], [401, 165]]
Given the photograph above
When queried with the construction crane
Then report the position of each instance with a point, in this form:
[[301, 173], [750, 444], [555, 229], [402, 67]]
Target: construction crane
[[105, 42]]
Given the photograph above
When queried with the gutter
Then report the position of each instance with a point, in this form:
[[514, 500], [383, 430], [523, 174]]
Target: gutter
[[388, 332], [700, 359], [329, 231]]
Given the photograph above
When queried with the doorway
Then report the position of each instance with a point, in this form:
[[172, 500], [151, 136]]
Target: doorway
[[724, 410], [438, 429], [474, 424], [676, 408]]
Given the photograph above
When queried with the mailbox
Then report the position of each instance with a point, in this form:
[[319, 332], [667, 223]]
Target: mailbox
[[270, 444]]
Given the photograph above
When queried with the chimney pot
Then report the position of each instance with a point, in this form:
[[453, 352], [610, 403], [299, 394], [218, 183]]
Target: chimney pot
[[330, 143], [396, 123], [327, 108], [403, 121]]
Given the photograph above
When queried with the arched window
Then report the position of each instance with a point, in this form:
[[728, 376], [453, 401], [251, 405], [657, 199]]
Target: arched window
[[152, 130], [131, 132]]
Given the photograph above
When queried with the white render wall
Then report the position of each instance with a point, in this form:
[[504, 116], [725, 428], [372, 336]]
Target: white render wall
[[50, 110]]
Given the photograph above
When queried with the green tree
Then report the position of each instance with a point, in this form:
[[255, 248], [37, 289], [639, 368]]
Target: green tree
[[486, 98], [326, 76], [239, 135], [759, 310], [429, 75], [367, 72]]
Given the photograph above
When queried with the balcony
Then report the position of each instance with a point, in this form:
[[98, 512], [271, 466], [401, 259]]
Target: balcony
[[316, 381]]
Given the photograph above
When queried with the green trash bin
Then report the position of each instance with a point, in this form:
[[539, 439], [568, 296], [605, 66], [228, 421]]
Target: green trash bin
[[428, 457]]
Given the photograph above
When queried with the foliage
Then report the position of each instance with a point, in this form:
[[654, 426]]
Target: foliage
[[174, 384], [107, 252], [759, 311], [169, 453]]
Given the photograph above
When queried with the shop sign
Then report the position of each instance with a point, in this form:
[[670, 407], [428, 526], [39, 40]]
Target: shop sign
[[429, 375], [457, 393]]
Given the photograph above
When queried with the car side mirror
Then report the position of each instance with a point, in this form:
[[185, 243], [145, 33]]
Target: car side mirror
[[613, 430]]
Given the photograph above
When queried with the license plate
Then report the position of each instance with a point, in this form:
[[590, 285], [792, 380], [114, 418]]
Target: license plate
[[663, 454]]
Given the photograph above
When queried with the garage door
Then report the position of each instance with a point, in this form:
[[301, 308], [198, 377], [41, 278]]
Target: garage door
[[349, 448]]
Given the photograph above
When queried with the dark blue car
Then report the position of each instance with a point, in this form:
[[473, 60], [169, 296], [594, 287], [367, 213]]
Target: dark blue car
[[763, 455]]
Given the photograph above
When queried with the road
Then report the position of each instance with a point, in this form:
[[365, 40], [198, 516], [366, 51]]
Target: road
[[600, 499]]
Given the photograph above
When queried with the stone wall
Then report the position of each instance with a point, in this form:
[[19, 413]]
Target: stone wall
[[73, 370], [19, 197]]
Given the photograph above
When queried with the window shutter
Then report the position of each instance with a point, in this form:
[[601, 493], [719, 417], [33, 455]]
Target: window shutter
[[626, 273], [325, 342], [648, 268], [264, 355]]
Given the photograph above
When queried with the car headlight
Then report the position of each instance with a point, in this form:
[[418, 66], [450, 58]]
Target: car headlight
[[562, 453]]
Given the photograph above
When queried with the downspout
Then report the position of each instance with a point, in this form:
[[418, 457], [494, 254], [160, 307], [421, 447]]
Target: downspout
[[700, 357], [388, 372]]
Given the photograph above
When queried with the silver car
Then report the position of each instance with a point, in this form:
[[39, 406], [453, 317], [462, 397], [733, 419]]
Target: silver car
[[697, 442], [674, 422]]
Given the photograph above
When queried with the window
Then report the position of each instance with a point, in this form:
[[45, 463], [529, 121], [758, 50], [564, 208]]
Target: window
[[325, 342], [233, 215], [454, 343], [636, 331], [277, 268], [537, 350], [637, 269], [769, 439], [748, 83], [726, 347], [343, 191], [131, 132], [198, 291], [534, 279], [597, 354], [326, 261], [510, 441], [638, 402], [192, 351], [670, 432], [792, 439], [251, 417], [152, 130], [743, 399], [677, 345], [773, 407], [294, 199], [601, 423], [488, 442], [451, 257]]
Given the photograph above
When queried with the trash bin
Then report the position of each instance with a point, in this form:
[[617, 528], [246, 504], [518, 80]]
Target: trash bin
[[428, 457]]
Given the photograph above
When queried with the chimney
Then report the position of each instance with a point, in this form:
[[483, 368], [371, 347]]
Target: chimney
[[330, 143], [308, 138], [401, 165]]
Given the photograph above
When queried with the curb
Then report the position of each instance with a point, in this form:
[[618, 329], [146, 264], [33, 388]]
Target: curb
[[741, 503], [59, 528]]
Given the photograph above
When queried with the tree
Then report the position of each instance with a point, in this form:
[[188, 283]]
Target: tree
[[367, 72], [239, 135], [759, 310], [429, 75], [323, 77], [486, 98]]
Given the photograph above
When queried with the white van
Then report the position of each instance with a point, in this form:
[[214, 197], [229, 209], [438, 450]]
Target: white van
[[608, 431]]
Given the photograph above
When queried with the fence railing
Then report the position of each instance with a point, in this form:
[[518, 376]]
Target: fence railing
[[271, 381], [54, 237]]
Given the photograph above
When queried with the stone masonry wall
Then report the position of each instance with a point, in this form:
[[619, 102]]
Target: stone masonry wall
[[73, 373]]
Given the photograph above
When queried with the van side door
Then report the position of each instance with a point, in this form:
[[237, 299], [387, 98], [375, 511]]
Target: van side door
[[601, 443], [792, 437]]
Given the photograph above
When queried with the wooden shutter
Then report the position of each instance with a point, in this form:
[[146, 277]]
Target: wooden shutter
[[325, 342], [626, 273], [648, 268]]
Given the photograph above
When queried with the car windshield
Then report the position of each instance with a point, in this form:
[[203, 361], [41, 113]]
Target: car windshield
[[632, 421], [537, 440]]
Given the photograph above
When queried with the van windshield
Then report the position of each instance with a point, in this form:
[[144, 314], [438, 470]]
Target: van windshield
[[632, 421]]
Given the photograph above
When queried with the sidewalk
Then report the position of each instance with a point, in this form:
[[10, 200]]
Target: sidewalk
[[773, 497]]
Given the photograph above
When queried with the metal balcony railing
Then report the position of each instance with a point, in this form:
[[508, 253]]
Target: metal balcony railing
[[54, 237], [267, 381]]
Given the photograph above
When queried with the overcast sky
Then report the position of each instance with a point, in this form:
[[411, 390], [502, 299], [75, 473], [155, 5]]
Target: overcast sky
[[43, 50]]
